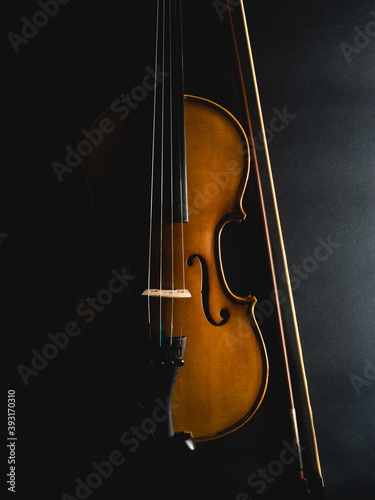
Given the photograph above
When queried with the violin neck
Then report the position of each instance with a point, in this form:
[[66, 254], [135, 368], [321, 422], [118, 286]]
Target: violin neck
[[169, 128]]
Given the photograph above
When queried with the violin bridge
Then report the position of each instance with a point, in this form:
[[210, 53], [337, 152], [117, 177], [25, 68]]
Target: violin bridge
[[169, 294]]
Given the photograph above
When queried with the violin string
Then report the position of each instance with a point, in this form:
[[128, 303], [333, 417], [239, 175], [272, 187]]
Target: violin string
[[171, 161], [182, 209], [162, 178], [281, 239], [152, 174]]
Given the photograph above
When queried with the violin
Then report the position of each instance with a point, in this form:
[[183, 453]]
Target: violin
[[165, 183], [180, 307]]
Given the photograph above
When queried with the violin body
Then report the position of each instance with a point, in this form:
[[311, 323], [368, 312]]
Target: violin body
[[225, 371]]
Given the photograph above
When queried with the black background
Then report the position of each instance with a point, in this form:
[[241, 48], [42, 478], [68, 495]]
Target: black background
[[59, 82]]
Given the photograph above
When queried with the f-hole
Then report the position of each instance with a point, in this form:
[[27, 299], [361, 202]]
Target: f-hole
[[224, 313]]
